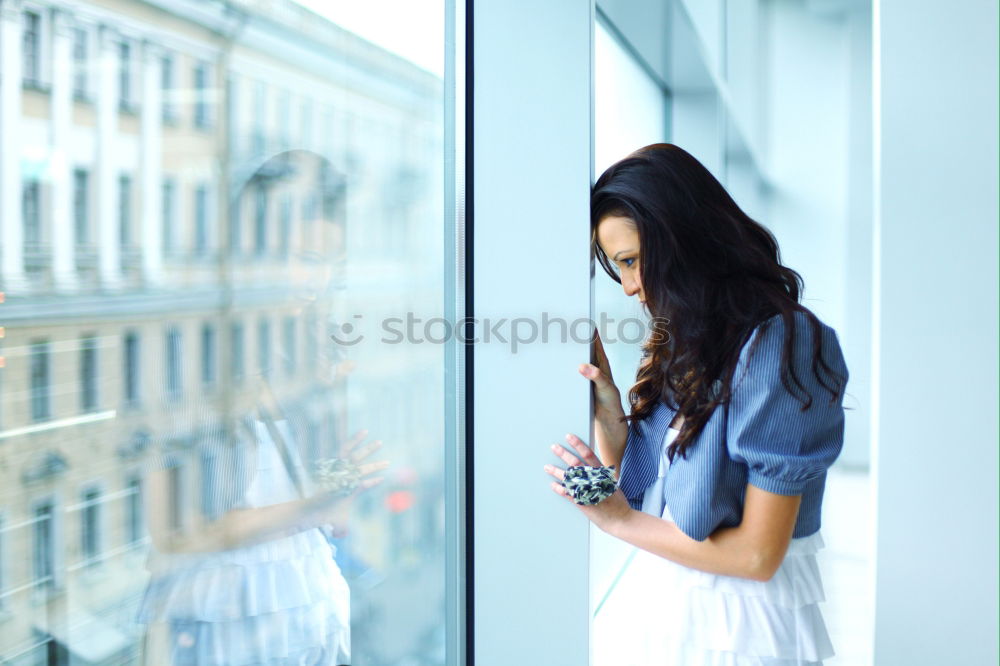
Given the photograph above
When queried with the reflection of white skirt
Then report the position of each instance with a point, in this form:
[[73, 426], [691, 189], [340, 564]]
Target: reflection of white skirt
[[273, 603], [694, 618]]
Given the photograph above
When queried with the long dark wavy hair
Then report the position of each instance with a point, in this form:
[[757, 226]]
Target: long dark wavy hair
[[710, 275]]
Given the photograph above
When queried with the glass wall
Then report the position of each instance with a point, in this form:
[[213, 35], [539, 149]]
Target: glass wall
[[630, 111], [215, 444]]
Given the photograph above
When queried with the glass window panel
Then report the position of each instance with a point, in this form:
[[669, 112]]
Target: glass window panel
[[167, 84], [169, 222], [81, 205], [32, 213], [90, 526], [41, 389], [174, 355], [208, 355], [125, 74], [125, 211], [236, 351], [201, 105], [133, 510], [630, 111], [201, 219], [131, 368], [31, 57], [161, 397], [43, 547], [88, 374], [80, 63]]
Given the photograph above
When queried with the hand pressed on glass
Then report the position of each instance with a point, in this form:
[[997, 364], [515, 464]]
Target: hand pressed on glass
[[343, 478], [344, 474]]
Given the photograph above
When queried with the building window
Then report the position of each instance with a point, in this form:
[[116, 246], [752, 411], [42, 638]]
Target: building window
[[133, 510], [80, 64], [201, 219], [209, 490], [31, 210], [201, 115], [260, 219], [125, 210], [81, 205], [312, 341], [286, 224], [236, 225], [288, 343], [175, 482], [31, 57], [90, 528], [131, 368], [41, 408], [259, 142], [169, 193], [88, 374], [43, 550], [264, 347], [208, 355], [237, 364], [173, 360], [285, 119], [167, 86], [124, 74]]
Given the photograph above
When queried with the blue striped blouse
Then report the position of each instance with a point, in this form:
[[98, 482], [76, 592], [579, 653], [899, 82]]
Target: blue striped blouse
[[761, 437]]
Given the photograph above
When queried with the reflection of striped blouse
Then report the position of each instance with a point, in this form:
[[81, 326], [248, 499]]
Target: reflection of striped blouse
[[761, 437], [227, 469]]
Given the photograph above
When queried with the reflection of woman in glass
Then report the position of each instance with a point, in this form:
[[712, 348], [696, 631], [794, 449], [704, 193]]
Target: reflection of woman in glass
[[256, 581], [735, 417]]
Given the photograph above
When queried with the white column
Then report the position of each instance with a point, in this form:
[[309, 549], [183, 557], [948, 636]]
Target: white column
[[106, 172], [63, 228], [151, 164], [544, 118], [934, 377], [11, 221]]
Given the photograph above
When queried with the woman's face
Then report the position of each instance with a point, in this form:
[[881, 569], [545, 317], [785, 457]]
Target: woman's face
[[619, 238]]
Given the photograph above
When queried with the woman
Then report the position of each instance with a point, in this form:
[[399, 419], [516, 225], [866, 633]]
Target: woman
[[735, 416]]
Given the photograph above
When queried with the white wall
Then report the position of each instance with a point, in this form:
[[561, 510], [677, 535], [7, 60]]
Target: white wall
[[935, 374]]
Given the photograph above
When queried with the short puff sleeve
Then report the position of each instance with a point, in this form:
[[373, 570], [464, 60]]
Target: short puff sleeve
[[783, 446]]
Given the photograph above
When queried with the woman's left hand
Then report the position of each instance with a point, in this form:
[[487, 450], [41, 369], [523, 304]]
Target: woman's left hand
[[605, 513]]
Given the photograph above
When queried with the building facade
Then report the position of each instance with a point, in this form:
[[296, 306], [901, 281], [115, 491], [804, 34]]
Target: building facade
[[184, 188]]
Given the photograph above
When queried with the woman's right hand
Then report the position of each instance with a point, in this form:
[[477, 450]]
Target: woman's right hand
[[610, 430]]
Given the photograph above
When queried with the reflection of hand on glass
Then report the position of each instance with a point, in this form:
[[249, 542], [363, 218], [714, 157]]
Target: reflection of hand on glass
[[334, 505]]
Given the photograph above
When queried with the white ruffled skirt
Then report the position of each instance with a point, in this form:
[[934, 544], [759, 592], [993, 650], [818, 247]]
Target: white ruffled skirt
[[695, 618], [279, 602]]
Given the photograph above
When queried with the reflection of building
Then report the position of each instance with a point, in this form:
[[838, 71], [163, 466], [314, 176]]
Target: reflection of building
[[136, 305]]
